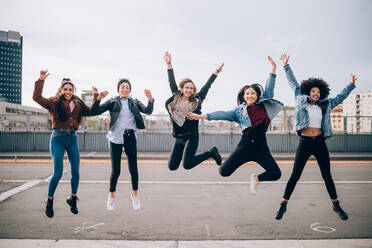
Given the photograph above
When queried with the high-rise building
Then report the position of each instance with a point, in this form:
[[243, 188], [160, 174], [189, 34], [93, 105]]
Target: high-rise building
[[357, 110], [11, 67]]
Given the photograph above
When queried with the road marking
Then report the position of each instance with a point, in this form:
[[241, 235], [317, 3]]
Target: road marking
[[90, 226], [191, 182], [165, 162], [27, 185], [16, 190], [323, 229]]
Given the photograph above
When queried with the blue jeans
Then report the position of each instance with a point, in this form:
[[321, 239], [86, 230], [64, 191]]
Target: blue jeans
[[59, 143]]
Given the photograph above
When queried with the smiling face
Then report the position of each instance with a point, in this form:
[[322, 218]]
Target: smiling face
[[314, 94], [250, 96], [188, 89], [67, 91], [124, 90]]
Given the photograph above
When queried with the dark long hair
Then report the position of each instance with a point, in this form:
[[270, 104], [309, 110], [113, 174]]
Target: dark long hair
[[61, 109], [256, 87]]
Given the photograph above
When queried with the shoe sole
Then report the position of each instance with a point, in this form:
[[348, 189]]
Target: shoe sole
[[68, 203], [339, 215]]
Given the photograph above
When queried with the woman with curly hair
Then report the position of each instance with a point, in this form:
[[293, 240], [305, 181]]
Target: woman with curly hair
[[313, 125], [185, 99], [256, 108]]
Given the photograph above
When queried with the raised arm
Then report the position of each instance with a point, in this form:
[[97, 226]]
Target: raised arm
[[38, 90], [344, 93], [270, 82], [171, 78], [96, 108], [204, 91], [150, 105], [290, 76]]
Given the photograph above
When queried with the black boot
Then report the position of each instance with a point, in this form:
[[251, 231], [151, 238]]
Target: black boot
[[49, 208], [215, 155], [72, 202], [339, 211], [281, 211]]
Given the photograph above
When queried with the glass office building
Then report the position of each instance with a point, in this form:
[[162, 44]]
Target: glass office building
[[11, 66]]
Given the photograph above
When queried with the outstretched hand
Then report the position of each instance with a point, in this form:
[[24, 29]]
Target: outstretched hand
[[168, 58], [43, 74], [193, 116], [220, 68], [101, 95], [272, 63], [148, 95], [353, 78], [284, 58]]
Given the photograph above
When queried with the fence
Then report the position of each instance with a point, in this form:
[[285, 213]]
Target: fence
[[163, 141]]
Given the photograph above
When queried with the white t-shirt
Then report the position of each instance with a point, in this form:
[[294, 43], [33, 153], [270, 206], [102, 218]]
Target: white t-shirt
[[315, 115]]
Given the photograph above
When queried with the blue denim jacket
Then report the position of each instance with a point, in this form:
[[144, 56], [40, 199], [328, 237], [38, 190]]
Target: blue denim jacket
[[302, 116], [240, 114]]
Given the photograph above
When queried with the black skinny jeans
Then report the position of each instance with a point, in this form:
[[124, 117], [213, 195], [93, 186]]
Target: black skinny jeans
[[252, 147], [190, 160], [311, 146], [130, 148]]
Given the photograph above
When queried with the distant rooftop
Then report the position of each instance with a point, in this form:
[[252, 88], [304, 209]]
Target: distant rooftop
[[10, 36]]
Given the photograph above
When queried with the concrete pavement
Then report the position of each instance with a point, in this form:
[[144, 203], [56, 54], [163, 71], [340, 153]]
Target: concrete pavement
[[186, 208]]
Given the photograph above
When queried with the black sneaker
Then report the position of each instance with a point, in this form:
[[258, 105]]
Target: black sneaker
[[72, 202], [339, 211], [49, 208], [215, 155], [281, 211]]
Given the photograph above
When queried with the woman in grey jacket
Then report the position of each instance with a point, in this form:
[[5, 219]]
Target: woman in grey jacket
[[256, 108], [125, 120], [313, 125]]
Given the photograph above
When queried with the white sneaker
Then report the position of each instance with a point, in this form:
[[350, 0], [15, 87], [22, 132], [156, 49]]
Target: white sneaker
[[253, 183], [135, 202], [110, 203]]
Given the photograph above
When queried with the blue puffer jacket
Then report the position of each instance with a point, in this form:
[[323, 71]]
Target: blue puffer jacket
[[240, 114], [302, 116]]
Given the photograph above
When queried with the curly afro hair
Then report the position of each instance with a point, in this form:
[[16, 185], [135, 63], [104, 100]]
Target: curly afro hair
[[307, 85]]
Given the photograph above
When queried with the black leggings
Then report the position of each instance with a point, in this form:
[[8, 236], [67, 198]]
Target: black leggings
[[252, 148], [311, 146], [190, 160], [130, 148]]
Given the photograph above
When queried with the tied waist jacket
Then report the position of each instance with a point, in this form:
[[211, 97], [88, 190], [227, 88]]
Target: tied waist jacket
[[240, 114], [302, 116]]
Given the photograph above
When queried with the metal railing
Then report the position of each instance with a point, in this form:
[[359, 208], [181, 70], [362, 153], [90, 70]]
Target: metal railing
[[149, 141]]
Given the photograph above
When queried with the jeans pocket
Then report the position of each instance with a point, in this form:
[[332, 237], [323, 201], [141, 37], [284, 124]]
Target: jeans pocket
[[56, 134]]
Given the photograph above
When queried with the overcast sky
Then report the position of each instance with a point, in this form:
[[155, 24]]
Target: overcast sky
[[98, 42]]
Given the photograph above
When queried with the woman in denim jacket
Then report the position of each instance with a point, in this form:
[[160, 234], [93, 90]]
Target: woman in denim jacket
[[256, 108], [184, 100], [313, 124]]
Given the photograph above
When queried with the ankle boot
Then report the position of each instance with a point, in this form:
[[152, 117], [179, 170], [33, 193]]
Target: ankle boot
[[216, 155], [49, 208], [341, 213], [72, 202], [281, 211]]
